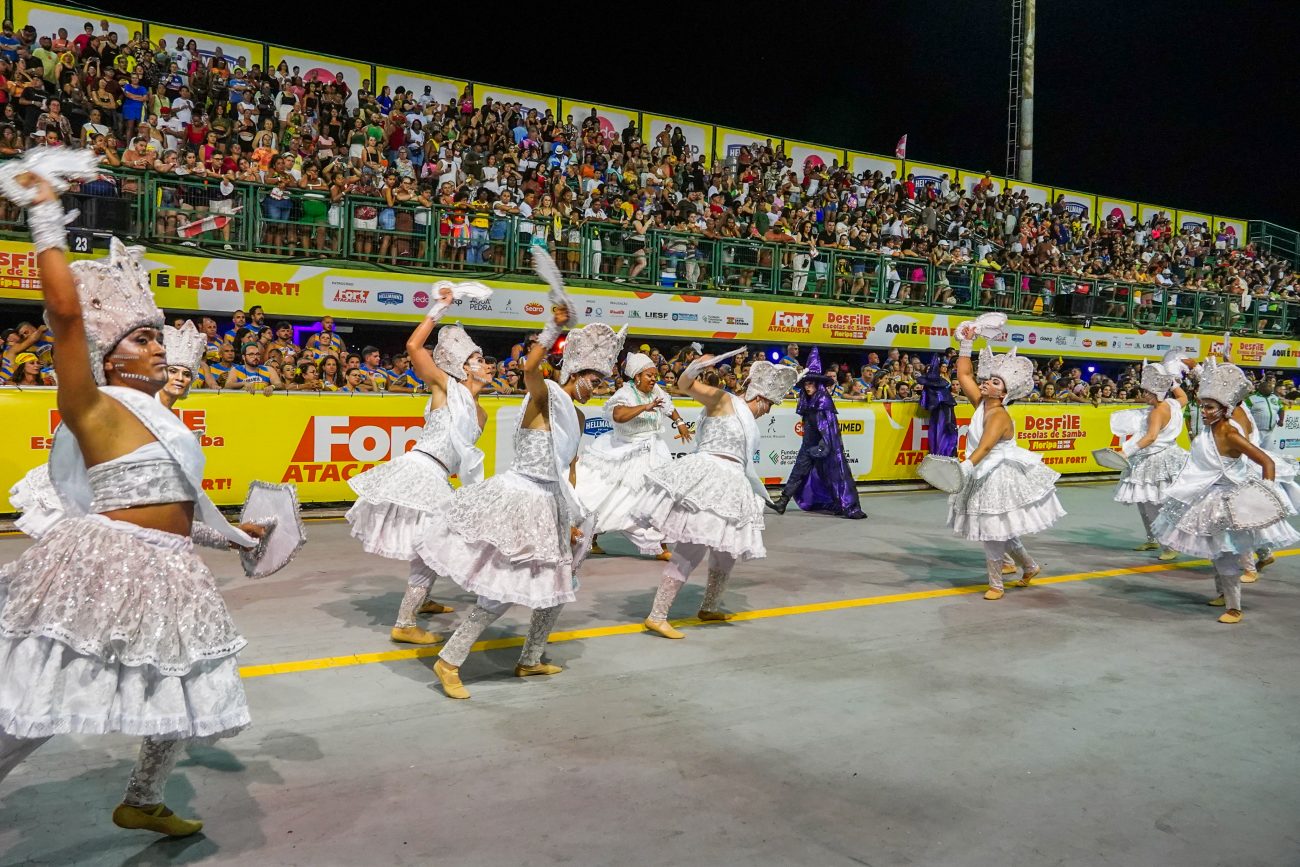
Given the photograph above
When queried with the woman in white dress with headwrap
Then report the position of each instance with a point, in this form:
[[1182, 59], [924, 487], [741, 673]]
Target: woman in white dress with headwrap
[[1225, 503], [1007, 492], [612, 468], [1154, 457], [709, 504], [396, 499], [518, 537]]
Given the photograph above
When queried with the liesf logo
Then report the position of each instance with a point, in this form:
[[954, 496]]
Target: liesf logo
[[791, 323], [1051, 433], [532, 308], [420, 299], [1033, 338], [336, 448], [390, 297], [1017, 338], [351, 296]]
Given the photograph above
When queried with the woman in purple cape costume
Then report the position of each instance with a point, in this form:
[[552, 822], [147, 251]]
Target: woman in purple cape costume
[[937, 399], [821, 480]]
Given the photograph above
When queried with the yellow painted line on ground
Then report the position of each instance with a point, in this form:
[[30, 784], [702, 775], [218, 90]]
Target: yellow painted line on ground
[[295, 667]]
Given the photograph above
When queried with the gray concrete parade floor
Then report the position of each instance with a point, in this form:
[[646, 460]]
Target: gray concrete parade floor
[[1103, 720]]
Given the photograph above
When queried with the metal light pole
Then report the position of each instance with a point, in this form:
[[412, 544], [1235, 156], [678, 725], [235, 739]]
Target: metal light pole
[[1027, 93], [1020, 91]]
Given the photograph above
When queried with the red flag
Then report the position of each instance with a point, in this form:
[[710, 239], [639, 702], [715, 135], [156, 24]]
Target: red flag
[[206, 224], [900, 149]]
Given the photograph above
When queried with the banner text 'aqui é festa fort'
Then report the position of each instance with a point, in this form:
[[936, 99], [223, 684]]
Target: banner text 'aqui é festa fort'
[[222, 286]]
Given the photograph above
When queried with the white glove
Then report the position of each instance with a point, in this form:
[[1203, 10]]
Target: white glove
[[965, 332], [1130, 446], [967, 468]]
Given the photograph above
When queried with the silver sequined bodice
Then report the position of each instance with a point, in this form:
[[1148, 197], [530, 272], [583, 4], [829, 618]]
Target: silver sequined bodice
[[722, 435], [533, 455], [435, 439], [146, 476]]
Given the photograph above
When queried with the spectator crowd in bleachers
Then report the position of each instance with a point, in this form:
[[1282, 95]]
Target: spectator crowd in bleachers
[[477, 170]]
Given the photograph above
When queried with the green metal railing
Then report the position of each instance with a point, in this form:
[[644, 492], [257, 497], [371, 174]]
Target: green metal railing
[[470, 238], [1275, 240]]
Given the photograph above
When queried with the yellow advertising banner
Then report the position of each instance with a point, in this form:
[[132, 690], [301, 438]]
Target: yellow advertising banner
[[47, 18], [529, 100], [321, 67], [699, 136], [728, 142], [862, 162], [803, 153], [239, 52], [926, 173], [194, 284], [1081, 205], [1191, 219], [970, 179], [612, 120], [1116, 209], [319, 442], [1236, 228], [1037, 193], [444, 90], [1146, 212]]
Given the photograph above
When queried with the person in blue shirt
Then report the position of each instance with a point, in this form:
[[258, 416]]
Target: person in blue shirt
[[371, 367], [252, 374], [9, 42], [257, 320], [238, 320], [791, 357], [402, 379]]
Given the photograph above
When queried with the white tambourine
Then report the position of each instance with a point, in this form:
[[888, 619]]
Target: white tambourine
[[942, 472], [1255, 504], [1110, 460], [276, 508]]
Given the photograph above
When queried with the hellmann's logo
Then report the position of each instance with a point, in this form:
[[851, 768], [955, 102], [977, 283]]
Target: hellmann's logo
[[334, 448]]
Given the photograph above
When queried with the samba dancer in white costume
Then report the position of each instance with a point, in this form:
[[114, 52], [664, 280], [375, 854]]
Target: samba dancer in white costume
[[1007, 491], [709, 504], [111, 622], [1155, 458], [1219, 507], [1284, 475], [395, 499], [185, 349], [611, 470], [518, 537], [34, 495]]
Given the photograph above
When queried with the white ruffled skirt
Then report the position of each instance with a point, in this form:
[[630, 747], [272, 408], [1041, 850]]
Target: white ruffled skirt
[[611, 480], [110, 627], [1148, 476], [394, 502], [705, 499], [505, 538], [1204, 528], [1016, 496]]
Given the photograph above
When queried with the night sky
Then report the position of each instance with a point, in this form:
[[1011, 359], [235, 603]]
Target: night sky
[[1186, 104]]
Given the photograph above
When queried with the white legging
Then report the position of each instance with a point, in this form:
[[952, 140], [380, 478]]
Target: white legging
[[996, 553], [153, 766], [1227, 579], [687, 557], [486, 612], [1149, 512], [419, 583]]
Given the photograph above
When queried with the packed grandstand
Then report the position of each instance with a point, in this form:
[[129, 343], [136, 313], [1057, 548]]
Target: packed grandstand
[[243, 155]]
